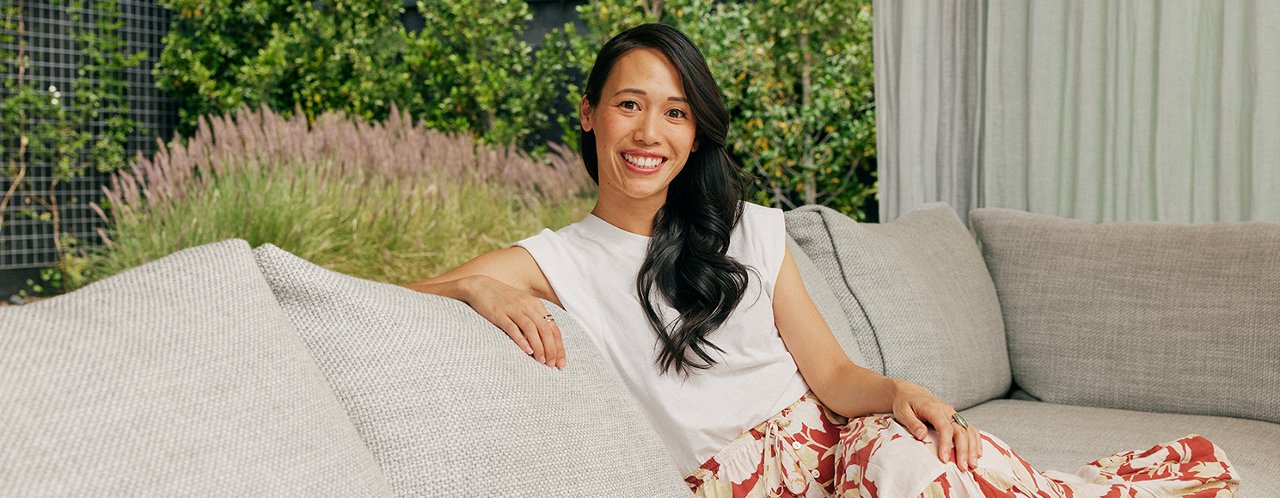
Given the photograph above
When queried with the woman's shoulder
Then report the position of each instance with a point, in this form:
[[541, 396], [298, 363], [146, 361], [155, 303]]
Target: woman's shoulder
[[763, 238], [765, 217], [748, 206], [762, 229]]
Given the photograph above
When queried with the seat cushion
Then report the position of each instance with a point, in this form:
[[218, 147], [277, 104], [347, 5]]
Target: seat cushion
[[1064, 437], [917, 296], [1156, 317], [449, 404], [179, 377]]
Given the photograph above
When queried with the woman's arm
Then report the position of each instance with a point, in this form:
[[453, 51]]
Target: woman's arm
[[513, 266], [854, 391], [504, 286]]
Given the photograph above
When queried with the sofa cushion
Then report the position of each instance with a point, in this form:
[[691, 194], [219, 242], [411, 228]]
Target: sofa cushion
[[179, 377], [451, 406], [1145, 316], [827, 302], [1064, 437], [917, 296]]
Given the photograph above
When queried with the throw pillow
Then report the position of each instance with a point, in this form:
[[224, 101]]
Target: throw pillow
[[918, 297], [179, 377], [449, 404]]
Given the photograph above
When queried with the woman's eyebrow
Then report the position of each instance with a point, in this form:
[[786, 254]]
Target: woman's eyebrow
[[638, 91]]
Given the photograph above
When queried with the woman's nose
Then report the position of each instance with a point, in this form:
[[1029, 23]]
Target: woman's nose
[[647, 129]]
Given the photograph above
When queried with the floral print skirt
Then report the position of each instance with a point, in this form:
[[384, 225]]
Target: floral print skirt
[[808, 450]]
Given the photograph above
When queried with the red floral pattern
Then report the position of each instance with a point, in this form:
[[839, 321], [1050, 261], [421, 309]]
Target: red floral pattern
[[808, 450]]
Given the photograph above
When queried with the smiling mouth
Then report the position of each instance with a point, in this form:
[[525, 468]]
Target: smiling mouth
[[643, 163]]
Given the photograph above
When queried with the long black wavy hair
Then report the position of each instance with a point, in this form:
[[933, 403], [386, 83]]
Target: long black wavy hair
[[686, 261]]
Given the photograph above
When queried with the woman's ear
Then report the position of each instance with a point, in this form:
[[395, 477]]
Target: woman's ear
[[584, 114], [695, 145]]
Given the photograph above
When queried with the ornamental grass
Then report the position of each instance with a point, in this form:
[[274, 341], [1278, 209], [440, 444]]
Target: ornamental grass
[[391, 201]]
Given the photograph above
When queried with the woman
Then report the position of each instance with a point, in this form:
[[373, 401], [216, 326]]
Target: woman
[[694, 298]]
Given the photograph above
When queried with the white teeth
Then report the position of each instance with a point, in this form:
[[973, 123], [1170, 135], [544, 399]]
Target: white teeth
[[643, 161]]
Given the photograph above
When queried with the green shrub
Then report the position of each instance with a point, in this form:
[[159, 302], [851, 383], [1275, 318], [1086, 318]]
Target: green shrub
[[467, 70], [392, 202], [471, 70], [317, 56], [797, 78]]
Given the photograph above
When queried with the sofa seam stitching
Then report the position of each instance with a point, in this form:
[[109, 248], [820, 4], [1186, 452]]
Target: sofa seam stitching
[[884, 367]]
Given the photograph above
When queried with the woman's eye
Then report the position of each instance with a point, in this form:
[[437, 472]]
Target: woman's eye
[[676, 113], [629, 105]]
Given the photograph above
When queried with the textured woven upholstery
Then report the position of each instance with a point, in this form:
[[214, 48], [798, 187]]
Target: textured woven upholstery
[[807, 228], [917, 296], [451, 407], [1145, 316], [179, 377], [195, 375], [827, 302], [1063, 437]]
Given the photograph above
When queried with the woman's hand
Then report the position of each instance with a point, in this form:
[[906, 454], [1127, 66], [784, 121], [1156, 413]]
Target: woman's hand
[[520, 315], [912, 404]]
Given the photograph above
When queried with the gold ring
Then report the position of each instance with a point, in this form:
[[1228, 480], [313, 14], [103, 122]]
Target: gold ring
[[964, 424], [547, 317]]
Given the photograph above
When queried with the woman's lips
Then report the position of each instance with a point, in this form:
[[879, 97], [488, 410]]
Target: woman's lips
[[643, 163]]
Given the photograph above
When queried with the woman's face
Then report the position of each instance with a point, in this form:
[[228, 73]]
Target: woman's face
[[643, 125]]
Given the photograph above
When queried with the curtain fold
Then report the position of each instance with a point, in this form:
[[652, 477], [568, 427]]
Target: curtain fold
[[928, 86], [1108, 110]]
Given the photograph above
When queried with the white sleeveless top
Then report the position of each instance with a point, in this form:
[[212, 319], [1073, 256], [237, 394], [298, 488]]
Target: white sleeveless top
[[592, 267]]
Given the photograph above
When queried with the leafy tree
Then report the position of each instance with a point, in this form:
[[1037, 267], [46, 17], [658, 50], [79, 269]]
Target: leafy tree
[[314, 56], [471, 69], [468, 70]]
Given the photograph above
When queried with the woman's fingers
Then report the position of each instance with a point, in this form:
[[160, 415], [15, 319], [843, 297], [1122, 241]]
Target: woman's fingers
[[976, 448], [555, 333], [539, 340], [530, 332], [962, 444], [548, 333], [908, 419], [523, 318], [513, 331], [942, 423]]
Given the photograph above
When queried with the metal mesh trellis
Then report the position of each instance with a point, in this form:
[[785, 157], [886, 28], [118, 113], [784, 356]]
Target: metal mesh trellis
[[49, 37]]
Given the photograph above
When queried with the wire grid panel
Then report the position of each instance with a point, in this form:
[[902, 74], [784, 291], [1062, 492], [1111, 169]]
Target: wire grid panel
[[27, 241]]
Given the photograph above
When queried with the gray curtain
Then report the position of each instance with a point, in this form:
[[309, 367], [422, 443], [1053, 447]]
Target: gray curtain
[[1137, 110], [928, 70]]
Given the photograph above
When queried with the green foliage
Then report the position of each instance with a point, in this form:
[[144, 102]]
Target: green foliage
[[390, 201], [395, 232], [44, 138], [100, 86], [471, 70], [316, 56], [468, 70], [69, 273], [796, 75], [797, 78]]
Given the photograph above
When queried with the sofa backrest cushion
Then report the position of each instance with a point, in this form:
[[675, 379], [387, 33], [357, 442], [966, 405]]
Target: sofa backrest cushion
[[449, 404], [179, 377], [917, 296], [1144, 316], [815, 283]]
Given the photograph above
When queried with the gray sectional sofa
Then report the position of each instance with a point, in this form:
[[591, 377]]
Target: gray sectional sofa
[[226, 370]]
